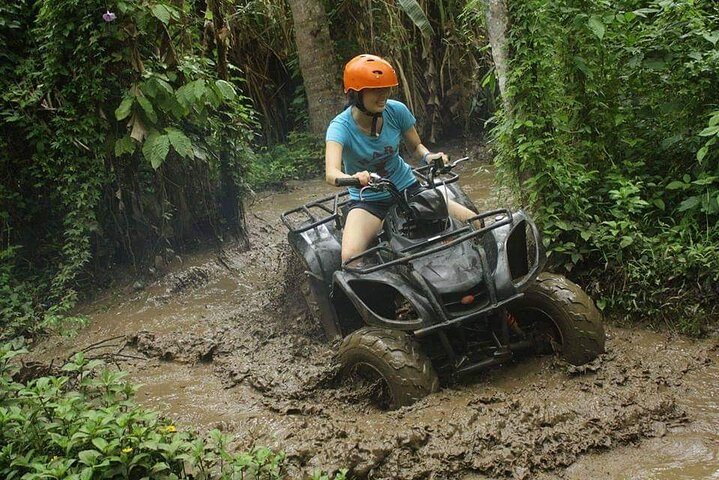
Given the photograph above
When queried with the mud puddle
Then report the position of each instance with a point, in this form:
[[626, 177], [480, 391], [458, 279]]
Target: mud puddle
[[221, 343]]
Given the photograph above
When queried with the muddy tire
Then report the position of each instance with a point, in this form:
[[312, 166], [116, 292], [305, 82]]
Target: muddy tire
[[561, 308], [392, 359]]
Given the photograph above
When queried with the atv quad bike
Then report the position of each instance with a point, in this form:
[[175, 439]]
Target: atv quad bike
[[434, 297]]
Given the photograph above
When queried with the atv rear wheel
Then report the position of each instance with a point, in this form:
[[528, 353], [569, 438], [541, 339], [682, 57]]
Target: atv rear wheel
[[554, 306], [390, 360]]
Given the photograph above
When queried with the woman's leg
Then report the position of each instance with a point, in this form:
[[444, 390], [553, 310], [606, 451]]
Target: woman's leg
[[360, 229], [458, 211]]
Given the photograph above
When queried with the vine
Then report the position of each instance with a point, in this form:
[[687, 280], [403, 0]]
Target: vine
[[122, 144]]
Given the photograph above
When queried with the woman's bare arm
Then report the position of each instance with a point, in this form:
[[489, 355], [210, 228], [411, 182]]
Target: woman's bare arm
[[333, 162], [414, 144], [333, 165], [418, 150]]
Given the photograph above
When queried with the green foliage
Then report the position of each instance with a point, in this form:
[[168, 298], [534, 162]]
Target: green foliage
[[263, 48], [341, 475], [415, 12], [118, 141], [17, 307], [14, 18], [612, 135], [300, 158], [85, 424], [438, 49]]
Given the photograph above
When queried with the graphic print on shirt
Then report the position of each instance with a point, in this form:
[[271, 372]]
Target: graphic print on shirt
[[383, 158]]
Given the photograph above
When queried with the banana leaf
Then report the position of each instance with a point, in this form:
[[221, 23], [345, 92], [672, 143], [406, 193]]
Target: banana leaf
[[415, 12]]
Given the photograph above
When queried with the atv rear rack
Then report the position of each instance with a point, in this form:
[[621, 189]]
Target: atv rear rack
[[502, 217], [306, 211]]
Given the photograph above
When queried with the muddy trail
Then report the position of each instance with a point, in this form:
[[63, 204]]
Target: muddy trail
[[221, 341]]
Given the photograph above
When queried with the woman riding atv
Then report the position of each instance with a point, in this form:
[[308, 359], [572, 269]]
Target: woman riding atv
[[365, 139]]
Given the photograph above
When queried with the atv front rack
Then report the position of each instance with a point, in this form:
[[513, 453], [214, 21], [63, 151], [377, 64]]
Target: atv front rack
[[501, 216]]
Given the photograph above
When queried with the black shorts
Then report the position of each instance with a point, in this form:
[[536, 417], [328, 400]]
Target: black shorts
[[380, 208]]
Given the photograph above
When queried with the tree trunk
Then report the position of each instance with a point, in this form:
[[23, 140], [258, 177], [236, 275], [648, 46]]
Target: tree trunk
[[497, 28], [221, 31], [320, 72]]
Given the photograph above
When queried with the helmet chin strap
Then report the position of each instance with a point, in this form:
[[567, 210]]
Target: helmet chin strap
[[359, 103]]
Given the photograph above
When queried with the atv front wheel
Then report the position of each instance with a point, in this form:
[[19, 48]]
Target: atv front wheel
[[390, 360], [556, 309]]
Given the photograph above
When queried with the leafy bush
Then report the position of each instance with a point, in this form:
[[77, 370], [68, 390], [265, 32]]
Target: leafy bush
[[119, 141], [301, 157], [612, 132], [84, 424]]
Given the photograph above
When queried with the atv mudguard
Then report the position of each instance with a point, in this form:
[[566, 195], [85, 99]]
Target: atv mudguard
[[320, 249]]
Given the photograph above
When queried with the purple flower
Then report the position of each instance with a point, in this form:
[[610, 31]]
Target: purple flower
[[109, 16]]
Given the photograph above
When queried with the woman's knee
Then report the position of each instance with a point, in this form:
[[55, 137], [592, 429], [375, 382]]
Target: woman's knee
[[348, 253], [361, 227], [353, 247], [459, 211], [354, 243]]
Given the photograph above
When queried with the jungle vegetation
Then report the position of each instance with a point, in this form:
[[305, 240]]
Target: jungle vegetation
[[132, 130]]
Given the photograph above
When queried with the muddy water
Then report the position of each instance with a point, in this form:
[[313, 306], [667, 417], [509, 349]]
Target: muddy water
[[220, 342]]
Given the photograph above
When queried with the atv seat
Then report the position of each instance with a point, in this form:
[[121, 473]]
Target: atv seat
[[428, 205]]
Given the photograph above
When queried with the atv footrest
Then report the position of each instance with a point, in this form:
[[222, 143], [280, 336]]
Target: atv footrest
[[495, 360]]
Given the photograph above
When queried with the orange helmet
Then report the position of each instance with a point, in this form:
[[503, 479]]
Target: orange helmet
[[368, 71]]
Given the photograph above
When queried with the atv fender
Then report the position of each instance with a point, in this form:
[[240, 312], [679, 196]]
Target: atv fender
[[522, 254], [372, 296], [320, 251]]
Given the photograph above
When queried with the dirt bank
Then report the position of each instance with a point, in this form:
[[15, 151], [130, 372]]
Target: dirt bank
[[220, 342]]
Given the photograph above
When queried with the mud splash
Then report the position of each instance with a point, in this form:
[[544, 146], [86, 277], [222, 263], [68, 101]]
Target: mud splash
[[221, 342]]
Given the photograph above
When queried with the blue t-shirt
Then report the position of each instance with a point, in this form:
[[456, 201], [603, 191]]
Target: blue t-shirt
[[379, 154]]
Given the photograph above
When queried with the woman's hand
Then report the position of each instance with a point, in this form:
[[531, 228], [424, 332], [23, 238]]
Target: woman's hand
[[363, 177], [430, 157], [333, 166]]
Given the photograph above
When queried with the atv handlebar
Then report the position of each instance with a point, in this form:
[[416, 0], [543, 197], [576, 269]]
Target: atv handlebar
[[347, 182], [381, 184], [318, 212], [438, 167]]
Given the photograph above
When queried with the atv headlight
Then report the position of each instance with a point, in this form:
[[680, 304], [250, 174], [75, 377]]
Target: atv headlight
[[521, 251]]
